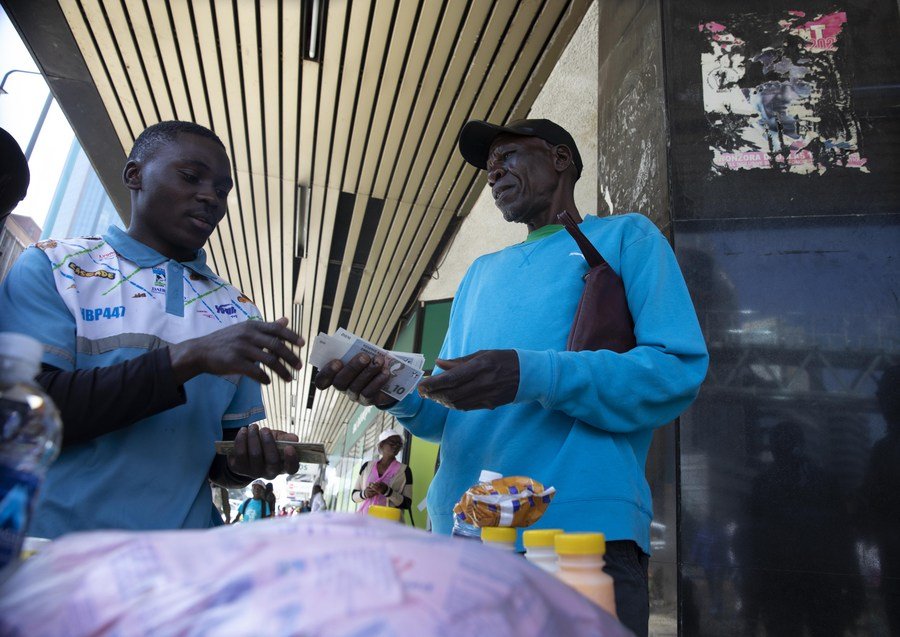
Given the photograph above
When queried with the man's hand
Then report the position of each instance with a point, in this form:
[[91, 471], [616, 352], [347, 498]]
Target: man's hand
[[361, 380], [239, 349], [483, 380], [256, 455]]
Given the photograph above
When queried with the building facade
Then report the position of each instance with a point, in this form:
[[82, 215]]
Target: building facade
[[80, 207], [18, 233]]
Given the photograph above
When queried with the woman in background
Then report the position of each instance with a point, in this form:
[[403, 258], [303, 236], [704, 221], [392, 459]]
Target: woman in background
[[384, 482], [318, 500]]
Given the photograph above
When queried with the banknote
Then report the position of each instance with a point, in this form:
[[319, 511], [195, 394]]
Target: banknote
[[307, 452], [405, 367], [403, 378]]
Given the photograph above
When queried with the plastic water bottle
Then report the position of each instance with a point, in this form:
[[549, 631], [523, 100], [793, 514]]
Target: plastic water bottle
[[30, 436], [539, 548], [464, 529], [580, 560]]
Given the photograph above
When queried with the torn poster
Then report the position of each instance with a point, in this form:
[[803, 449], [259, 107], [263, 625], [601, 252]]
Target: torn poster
[[774, 95]]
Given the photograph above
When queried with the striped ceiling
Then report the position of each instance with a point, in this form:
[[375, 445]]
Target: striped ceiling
[[341, 120]]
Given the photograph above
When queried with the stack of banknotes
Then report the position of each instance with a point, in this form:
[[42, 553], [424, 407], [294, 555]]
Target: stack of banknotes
[[405, 367]]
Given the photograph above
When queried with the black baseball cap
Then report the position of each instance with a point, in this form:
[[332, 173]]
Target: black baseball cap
[[476, 137]]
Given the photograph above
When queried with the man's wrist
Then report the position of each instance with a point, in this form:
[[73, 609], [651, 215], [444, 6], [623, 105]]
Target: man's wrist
[[222, 475], [184, 364]]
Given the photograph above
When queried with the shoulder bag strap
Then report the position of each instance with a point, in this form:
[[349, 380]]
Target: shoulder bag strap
[[591, 255]]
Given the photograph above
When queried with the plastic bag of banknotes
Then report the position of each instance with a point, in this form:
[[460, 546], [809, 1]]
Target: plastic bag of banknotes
[[339, 575]]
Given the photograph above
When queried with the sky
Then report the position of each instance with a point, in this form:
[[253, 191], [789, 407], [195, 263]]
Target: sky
[[20, 108]]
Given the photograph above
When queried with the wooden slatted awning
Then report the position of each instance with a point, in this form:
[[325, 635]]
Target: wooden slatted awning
[[340, 118]]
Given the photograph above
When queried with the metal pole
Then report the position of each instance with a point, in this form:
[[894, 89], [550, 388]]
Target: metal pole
[[38, 126], [8, 73]]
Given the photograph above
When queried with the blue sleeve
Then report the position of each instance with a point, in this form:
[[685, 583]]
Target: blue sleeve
[[645, 387], [422, 417], [246, 407], [30, 304]]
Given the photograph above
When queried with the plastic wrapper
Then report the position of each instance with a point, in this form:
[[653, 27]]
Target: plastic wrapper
[[339, 575], [511, 501]]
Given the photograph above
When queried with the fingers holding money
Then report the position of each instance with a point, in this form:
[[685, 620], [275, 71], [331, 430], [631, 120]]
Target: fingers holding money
[[485, 380], [362, 378]]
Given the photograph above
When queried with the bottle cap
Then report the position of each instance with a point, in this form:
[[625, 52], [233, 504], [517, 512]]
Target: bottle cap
[[580, 544], [498, 534], [489, 476], [536, 538], [20, 356], [385, 513]]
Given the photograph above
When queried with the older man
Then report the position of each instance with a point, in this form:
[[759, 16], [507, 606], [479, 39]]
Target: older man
[[512, 399]]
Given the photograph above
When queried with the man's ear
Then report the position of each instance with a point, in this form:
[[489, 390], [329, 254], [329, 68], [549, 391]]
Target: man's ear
[[131, 176], [562, 157]]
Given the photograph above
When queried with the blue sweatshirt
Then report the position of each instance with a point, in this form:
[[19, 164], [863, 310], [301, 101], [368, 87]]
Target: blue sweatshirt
[[581, 421]]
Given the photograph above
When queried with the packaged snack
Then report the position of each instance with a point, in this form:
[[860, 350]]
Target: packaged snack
[[511, 501]]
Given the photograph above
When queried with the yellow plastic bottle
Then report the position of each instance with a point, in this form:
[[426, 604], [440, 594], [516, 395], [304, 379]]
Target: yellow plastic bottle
[[580, 559], [385, 513], [501, 537], [539, 549]]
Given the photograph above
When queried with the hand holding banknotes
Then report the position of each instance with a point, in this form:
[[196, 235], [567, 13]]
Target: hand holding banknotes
[[366, 373], [362, 379], [256, 455], [484, 380]]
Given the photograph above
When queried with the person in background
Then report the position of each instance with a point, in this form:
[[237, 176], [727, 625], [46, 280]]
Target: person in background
[[221, 501], [879, 497], [507, 394], [150, 356], [385, 482], [255, 508], [270, 496], [318, 499], [14, 175]]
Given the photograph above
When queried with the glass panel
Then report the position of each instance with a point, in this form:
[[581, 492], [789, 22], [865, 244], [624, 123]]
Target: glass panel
[[789, 476]]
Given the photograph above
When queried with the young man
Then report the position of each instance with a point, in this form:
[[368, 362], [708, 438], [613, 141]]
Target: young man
[[257, 507], [579, 421], [149, 355]]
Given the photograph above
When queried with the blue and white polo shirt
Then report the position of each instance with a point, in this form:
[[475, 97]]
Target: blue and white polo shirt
[[98, 301]]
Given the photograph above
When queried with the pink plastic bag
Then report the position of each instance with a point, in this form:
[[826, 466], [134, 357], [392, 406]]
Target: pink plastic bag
[[332, 574]]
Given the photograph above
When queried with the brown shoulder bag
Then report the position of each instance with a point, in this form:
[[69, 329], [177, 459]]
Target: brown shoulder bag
[[602, 320]]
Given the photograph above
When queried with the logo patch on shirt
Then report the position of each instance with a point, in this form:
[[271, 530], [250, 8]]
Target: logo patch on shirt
[[106, 255], [159, 283], [103, 274], [227, 308], [243, 299], [108, 312], [45, 245], [139, 295]]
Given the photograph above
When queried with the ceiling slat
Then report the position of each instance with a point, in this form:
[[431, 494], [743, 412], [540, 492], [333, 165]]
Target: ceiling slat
[[108, 77], [169, 49], [98, 14]]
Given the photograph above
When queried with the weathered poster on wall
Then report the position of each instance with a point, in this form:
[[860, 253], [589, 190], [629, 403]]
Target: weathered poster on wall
[[774, 94]]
